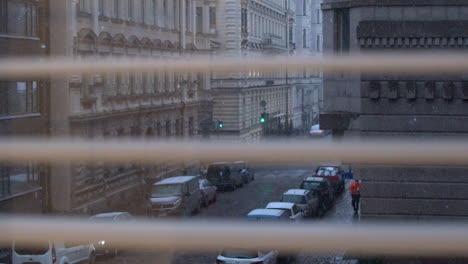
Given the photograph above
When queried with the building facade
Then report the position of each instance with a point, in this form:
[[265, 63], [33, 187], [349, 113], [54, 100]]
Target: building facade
[[24, 104], [253, 29], [148, 105], [422, 106]]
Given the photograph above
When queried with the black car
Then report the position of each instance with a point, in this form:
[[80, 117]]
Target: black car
[[103, 248], [322, 188]]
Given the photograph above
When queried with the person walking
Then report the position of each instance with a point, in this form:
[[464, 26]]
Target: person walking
[[355, 190]]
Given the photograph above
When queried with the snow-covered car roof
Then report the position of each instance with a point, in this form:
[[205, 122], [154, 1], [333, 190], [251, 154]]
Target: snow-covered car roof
[[266, 212], [280, 205], [296, 191], [315, 179], [175, 180]]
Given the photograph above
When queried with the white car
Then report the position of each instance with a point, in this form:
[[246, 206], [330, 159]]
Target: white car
[[296, 213], [53, 253], [305, 200], [244, 256], [317, 132], [207, 191]]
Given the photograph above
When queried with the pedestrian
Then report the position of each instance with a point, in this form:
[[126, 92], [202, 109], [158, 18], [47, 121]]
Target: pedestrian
[[355, 190]]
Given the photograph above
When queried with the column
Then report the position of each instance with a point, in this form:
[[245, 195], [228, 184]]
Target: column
[[170, 14], [159, 13]]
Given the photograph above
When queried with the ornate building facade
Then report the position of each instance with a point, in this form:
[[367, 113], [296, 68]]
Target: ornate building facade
[[134, 104], [422, 106], [254, 28]]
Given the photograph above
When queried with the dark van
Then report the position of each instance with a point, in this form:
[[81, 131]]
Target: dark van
[[224, 176]]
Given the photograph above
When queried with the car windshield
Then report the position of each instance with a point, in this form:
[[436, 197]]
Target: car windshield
[[293, 198], [239, 253], [327, 171], [40, 248], [307, 185], [166, 190]]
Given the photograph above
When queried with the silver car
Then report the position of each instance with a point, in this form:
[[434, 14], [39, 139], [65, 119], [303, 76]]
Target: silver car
[[175, 196], [304, 199]]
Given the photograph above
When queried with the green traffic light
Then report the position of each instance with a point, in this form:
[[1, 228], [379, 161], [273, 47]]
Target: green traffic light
[[262, 120], [220, 125]]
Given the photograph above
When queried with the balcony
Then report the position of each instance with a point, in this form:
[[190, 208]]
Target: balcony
[[272, 41]]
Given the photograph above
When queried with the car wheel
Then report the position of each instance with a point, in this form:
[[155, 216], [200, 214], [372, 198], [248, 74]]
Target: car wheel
[[204, 201], [92, 258]]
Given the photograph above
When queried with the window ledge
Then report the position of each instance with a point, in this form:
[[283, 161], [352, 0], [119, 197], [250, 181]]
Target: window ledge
[[20, 194], [103, 18], [7, 117], [84, 14], [18, 37], [117, 20]]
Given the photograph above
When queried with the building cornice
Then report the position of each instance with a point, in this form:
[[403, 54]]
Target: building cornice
[[334, 4]]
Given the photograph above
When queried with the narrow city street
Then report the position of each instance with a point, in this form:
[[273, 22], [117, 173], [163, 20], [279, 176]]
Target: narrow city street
[[268, 187]]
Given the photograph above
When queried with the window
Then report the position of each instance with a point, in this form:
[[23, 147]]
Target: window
[[145, 83], [318, 16], [341, 30], [213, 19], [178, 127], [244, 20], [187, 16], [17, 18], [19, 178], [118, 82], [304, 7], [130, 10], [156, 82], [131, 82], [168, 128], [82, 5], [191, 128], [143, 7], [165, 13], [155, 13], [318, 43], [116, 8], [304, 38], [199, 14], [101, 7], [175, 14], [18, 97]]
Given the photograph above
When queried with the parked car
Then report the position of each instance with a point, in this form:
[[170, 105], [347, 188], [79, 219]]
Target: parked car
[[102, 247], [248, 174], [246, 256], [296, 213], [304, 199], [5, 254], [224, 175], [207, 192], [322, 188], [333, 174], [315, 131], [269, 215], [175, 196], [49, 252]]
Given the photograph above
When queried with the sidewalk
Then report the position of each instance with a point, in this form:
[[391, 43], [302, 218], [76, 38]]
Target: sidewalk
[[342, 212]]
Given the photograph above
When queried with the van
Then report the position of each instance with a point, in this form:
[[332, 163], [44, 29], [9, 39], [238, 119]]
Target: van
[[49, 252], [175, 196], [225, 175]]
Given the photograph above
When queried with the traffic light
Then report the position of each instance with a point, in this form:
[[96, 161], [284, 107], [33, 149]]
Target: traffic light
[[263, 118], [220, 124]]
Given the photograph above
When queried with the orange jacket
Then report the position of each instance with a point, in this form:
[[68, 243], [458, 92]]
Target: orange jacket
[[355, 188]]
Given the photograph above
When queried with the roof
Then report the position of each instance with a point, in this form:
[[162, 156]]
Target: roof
[[108, 215], [266, 212], [279, 205], [315, 179], [175, 180], [220, 163], [296, 191]]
